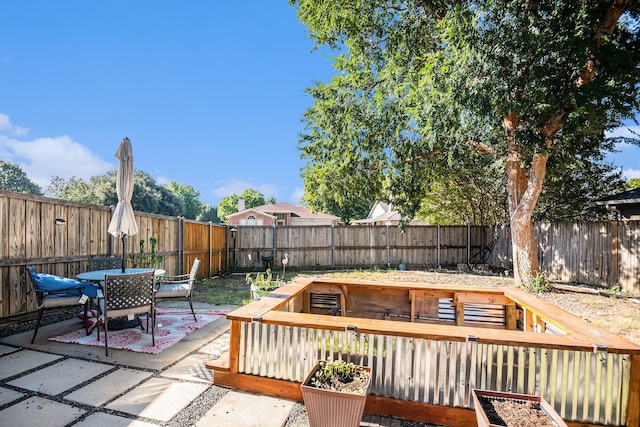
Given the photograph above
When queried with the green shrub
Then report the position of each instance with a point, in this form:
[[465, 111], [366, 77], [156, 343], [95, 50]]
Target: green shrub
[[539, 284]]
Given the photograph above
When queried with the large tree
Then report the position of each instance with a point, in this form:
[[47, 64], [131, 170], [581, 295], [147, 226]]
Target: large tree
[[148, 195], [13, 178], [192, 206], [75, 189], [517, 80]]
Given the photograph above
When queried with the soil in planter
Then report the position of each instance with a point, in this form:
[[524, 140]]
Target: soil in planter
[[512, 413], [344, 387]]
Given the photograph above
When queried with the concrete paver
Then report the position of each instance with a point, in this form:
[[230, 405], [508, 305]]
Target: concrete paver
[[37, 411], [108, 387], [247, 410], [61, 376], [191, 368], [7, 396], [153, 388], [23, 360], [100, 419], [216, 347], [6, 349], [158, 399]]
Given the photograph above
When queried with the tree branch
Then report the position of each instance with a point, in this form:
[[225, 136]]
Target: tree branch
[[396, 8], [553, 125], [608, 24], [482, 148], [373, 85], [425, 155]]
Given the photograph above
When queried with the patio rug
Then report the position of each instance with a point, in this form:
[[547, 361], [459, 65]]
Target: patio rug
[[171, 326]]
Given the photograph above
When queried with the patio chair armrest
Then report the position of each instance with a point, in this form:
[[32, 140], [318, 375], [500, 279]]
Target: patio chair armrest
[[174, 279]]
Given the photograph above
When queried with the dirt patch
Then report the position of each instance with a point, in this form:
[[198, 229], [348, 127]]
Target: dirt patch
[[619, 314]]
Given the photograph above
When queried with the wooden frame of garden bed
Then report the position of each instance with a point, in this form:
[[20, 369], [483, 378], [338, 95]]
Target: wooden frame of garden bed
[[429, 346]]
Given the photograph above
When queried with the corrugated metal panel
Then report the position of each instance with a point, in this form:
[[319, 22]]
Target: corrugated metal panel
[[582, 386]]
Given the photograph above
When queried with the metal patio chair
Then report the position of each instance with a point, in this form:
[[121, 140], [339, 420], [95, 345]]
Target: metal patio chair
[[104, 263], [178, 286], [127, 295]]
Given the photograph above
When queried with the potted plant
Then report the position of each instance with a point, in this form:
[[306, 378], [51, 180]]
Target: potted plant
[[262, 284], [494, 408], [335, 393]]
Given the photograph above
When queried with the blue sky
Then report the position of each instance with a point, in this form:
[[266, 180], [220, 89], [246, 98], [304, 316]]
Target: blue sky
[[210, 93]]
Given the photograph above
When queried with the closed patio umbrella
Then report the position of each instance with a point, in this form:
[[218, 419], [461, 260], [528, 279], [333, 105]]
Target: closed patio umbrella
[[123, 222]]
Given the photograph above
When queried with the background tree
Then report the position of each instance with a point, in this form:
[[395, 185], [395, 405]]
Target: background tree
[[13, 178], [192, 206], [210, 213], [342, 175], [632, 183], [570, 186], [252, 198], [148, 195], [469, 192], [517, 80], [75, 189]]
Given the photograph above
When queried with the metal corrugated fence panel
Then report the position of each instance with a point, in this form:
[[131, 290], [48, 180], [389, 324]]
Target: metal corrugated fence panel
[[582, 386]]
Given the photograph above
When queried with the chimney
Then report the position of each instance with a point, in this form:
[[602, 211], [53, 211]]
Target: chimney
[[240, 205]]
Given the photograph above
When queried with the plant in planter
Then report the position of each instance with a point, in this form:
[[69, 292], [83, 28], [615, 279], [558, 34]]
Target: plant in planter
[[335, 393], [495, 409], [263, 284]]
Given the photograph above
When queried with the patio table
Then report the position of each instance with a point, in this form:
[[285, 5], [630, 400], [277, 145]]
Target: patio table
[[97, 276]]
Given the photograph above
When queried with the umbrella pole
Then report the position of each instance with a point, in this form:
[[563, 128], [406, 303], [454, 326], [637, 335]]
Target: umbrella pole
[[123, 255]]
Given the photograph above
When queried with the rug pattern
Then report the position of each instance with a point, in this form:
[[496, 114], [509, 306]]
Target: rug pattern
[[171, 326]]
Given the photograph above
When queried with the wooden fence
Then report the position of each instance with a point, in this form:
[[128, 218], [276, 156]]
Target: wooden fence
[[59, 237], [355, 246], [605, 254]]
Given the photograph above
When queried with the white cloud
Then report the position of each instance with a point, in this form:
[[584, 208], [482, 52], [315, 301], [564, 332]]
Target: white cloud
[[625, 131], [7, 127], [631, 173], [297, 195], [43, 158], [237, 186], [163, 180]]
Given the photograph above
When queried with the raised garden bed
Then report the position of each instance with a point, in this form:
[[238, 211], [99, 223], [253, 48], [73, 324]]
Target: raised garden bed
[[429, 346]]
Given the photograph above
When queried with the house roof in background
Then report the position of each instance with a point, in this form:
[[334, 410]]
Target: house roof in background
[[246, 211], [630, 196], [284, 208]]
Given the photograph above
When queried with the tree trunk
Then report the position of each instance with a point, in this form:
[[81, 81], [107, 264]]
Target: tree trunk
[[523, 193]]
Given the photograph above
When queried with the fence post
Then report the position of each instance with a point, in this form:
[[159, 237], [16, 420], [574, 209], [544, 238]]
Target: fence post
[[615, 262], [388, 250], [333, 245], [227, 246], [468, 242], [273, 247], [181, 245], [438, 250], [210, 245]]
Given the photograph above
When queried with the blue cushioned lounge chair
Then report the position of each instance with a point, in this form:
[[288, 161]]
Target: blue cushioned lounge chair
[[57, 292]]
